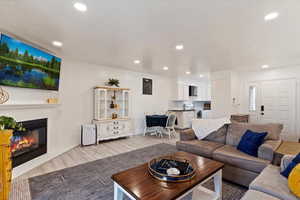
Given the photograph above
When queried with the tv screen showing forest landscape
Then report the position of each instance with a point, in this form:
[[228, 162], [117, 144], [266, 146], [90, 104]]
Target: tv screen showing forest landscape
[[22, 65]]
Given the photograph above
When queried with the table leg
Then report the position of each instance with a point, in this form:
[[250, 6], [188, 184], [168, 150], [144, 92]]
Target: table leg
[[118, 194], [218, 183]]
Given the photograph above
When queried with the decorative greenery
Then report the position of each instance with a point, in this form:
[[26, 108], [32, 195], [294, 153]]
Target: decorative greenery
[[7, 123], [113, 82]]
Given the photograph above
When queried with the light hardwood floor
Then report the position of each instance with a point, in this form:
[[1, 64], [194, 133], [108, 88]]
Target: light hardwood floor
[[80, 155]]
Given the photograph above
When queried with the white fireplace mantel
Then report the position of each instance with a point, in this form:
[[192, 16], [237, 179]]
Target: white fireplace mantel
[[27, 106]]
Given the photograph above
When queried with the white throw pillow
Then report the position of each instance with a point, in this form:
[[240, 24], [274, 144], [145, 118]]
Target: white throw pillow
[[285, 161]]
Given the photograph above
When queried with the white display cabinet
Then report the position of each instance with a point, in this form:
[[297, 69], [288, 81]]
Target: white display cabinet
[[111, 112]]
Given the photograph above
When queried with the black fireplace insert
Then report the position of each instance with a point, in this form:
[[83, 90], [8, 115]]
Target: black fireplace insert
[[31, 143]]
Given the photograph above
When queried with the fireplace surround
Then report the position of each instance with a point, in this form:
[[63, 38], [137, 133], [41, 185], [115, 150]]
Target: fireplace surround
[[31, 143]]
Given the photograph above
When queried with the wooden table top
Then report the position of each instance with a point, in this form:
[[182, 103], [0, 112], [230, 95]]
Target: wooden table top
[[141, 185], [289, 148]]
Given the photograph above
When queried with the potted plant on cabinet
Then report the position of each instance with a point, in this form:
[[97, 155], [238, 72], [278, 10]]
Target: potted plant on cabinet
[[113, 82], [7, 126]]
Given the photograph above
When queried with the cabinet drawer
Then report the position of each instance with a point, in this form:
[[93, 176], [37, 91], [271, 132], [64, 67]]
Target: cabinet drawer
[[104, 129], [115, 123], [125, 126], [113, 129], [115, 132]]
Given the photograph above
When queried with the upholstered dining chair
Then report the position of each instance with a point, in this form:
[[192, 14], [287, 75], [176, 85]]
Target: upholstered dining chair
[[152, 130], [170, 126]]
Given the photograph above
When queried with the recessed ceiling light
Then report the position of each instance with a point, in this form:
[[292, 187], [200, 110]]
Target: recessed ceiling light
[[165, 68], [80, 6], [188, 72], [137, 62], [57, 43], [201, 75], [271, 16], [179, 47], [265, 66]]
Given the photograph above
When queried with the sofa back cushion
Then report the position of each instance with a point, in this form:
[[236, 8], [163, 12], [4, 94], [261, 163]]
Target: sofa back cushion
[[237, 130], [218, 136], [251, 141], [187, 134]]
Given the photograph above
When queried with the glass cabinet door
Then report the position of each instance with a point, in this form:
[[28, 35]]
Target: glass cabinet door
[[125, 104], [100, 104]]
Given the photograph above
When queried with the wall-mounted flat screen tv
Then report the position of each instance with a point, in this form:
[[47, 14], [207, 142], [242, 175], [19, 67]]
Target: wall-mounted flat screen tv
[[22, 65]]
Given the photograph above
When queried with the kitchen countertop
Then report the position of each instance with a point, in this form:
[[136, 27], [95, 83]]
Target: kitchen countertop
[[181, 110]]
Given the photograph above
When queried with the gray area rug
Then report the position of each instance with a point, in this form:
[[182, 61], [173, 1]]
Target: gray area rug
[[91, 181]]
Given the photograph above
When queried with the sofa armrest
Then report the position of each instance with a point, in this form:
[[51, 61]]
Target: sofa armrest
[[187, 134], [266, 150]]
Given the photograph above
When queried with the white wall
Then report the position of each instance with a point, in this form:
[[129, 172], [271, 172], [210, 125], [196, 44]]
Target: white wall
[[270, 74], [224, 88], [76, 98]]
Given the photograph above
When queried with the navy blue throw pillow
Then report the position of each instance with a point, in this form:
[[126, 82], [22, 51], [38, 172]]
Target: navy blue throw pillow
[[297, 158], [251, 141], [288, 169], [291, 166]]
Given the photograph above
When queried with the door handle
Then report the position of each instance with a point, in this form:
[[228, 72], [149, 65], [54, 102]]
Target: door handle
[[262, 109]]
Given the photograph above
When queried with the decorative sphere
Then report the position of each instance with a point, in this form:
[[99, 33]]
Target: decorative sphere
[[173, 171]]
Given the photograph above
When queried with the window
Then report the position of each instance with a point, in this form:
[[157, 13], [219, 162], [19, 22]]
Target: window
[[252, 98]]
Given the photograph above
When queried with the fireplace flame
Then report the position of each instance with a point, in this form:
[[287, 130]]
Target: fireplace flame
[[22, 142]]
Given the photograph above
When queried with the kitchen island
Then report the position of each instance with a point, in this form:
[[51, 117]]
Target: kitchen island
[[184, 117]]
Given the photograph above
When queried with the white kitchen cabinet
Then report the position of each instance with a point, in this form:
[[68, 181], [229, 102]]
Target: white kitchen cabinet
[[180, 91], [185, 92], [204, 91]]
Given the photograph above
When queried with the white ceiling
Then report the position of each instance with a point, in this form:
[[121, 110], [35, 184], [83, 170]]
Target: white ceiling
[[216, 34]]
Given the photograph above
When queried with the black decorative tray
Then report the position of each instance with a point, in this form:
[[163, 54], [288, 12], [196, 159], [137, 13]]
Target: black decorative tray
[[171, 169]]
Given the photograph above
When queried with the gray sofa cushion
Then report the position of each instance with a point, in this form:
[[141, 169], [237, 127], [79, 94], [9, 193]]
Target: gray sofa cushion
[[237, 130], [230, 155], [218, 136], [271, 182], [199, 147], [238, 175], [266, 150], [256, 195]]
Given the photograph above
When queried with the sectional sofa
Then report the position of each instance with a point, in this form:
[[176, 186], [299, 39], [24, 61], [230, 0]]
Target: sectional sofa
[[221, 145], [257, 173], [270, 185]]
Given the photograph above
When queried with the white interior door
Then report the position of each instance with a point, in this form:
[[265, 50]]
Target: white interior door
[[276, 103]]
